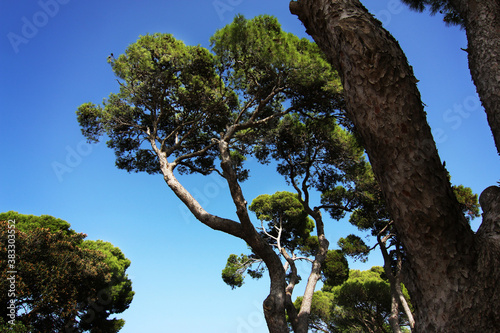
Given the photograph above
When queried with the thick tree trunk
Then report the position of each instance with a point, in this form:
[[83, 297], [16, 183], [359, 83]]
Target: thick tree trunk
[[482, 25], [452, 270], [275, 303]]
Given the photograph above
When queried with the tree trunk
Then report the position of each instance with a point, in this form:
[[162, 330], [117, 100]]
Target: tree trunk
[[482, 25], [393, 281], [305, 308], [397, 286], [274, 304], [394, 278], [394, 317], [452, 271]]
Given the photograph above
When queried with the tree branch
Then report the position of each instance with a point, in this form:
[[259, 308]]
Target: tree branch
[[215, 222]]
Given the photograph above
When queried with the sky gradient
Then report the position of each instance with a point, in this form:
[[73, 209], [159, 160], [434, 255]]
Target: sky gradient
[[53, 59]]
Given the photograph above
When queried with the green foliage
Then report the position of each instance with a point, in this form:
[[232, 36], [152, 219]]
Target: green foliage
[[372, 214], [283, 210], [287, 219], [232, 274], [31, 222], [360, 304], [119, 290], [469, 201], [254, 54], [16, 327], [61, 283], [335, 268], [355, 247], [236, 266], [359, 297], [322, 307], [168, 90], [237, 160], [314, 152], [177, 100], [451, 16]]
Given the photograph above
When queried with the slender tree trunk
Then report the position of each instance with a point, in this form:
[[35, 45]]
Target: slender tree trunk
[[453, 273], [397, 285], [394, 278], [404, 304], [305, 308], [394, 317], [300, 320], [294, 279], [482, 25]]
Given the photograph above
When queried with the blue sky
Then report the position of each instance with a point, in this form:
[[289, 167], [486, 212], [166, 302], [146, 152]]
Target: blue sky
[[53, 58]]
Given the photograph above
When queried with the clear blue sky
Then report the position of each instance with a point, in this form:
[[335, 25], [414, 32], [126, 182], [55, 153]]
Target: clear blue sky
[[53, 58]]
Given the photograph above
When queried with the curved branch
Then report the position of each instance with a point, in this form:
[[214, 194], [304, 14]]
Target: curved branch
[[215, 222]]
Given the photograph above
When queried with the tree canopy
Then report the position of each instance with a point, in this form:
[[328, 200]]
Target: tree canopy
[[451, 15], [360, 304], [178, 99], [284, 214], [184, 108], [288, 228], [385, 106], [63, 282], [258, 92]]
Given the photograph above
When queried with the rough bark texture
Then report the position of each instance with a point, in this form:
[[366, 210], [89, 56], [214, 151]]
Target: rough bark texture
[[452, 271], [482, 25]]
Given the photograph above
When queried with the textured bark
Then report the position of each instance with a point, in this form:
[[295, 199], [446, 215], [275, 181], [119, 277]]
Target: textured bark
[[482, 25], [452, 271]]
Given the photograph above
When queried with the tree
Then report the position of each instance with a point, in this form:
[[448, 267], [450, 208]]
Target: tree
[[63, 283], [118, 294], [360, 304], [481, 20], [182, 109], [16, 327], [452, 271], [372, 216], [287, 226], [313, 153]]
